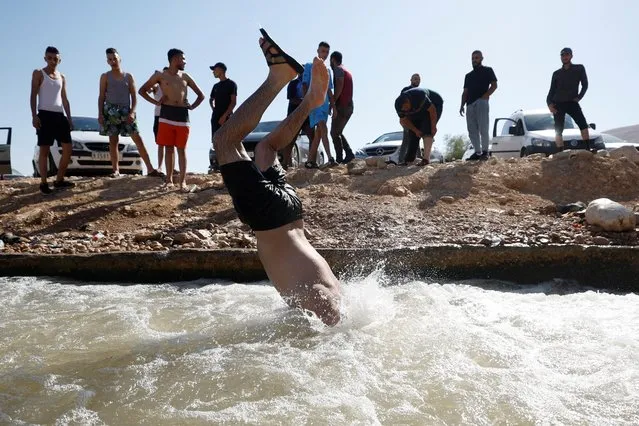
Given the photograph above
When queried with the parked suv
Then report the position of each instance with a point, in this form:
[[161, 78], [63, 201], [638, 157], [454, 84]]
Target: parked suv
[[90, 152], [300, 149], [5, 151], [528, 132]]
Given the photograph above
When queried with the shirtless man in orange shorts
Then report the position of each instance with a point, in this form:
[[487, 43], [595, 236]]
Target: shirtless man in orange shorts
[[173, 128]]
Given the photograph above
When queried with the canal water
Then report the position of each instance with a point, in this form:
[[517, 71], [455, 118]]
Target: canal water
[[407, 352]]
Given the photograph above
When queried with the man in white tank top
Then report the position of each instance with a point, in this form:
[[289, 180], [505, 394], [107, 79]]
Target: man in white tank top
[[116, 112], [48, 104]]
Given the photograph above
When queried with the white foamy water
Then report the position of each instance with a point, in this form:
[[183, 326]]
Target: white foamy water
[[417, 353]]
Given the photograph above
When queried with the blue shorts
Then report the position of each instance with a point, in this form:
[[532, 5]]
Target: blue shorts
[[319, 114]]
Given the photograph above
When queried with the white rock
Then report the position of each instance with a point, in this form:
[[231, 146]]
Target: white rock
[[610, 216], [630, 152], [603, 153], [203, 234]]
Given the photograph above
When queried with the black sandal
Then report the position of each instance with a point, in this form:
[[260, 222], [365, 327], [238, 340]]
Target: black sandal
[[278, 58]]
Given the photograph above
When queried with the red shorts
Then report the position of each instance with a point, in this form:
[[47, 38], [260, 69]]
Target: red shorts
[[170, 135]]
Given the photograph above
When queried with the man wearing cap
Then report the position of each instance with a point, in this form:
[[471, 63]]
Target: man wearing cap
[[223, 97], [564, 96]]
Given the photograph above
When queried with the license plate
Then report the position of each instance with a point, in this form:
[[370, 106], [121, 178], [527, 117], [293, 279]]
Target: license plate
[[104, 156]]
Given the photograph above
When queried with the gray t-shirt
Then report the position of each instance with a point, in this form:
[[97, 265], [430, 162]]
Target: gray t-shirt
[[117, 91]]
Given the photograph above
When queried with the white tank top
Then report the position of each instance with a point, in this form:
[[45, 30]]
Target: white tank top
[[50, 94]]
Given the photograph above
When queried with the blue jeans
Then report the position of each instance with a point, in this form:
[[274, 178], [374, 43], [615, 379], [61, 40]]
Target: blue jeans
[[477, 119]]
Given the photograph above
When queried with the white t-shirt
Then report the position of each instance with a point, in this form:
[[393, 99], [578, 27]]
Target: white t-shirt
[[157, 96]]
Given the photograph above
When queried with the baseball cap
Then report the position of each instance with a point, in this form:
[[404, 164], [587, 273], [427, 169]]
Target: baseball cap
[[218, 65], [567, 50]]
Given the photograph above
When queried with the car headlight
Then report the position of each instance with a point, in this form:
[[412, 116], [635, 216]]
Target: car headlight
[[598, 141], [131, 148], [360, 153], [77, 146], [540, 142]]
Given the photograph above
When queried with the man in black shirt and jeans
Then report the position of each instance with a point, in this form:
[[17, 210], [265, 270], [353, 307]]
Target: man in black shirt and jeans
[[419, 111], [564, 96], [223, 97], [479, 85], [399, 156]]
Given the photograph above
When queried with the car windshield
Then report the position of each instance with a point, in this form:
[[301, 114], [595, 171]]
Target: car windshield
[[86, 124], [536, 122], [611, 139], [387, 137], [266, 127]]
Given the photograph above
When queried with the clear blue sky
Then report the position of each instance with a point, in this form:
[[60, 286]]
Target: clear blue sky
[[382, 44]]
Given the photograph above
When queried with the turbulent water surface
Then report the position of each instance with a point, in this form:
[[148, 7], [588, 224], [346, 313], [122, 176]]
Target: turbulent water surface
[[416, 353]]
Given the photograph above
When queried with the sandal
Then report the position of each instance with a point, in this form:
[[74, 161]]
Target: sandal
[[311, 165], [278, 58], [424, 162]]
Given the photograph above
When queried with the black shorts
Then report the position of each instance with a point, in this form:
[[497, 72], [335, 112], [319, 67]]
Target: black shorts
[[424, 125], [54, 126], [156, 125], [572, 109], [263, 200]]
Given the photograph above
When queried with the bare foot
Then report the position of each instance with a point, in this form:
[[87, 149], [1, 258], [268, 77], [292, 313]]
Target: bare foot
[[319, 83]]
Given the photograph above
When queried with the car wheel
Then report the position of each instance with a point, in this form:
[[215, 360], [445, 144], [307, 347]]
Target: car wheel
[[295, 156], [53, 170], [524, 152]]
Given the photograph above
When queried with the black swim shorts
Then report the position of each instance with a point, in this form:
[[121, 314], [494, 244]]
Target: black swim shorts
[[263, 200]]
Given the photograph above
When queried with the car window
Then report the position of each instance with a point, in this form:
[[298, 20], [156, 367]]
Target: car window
[[387, 137], [266, 126], [86, 124], [611, 139], [503, 126], [535, 122]]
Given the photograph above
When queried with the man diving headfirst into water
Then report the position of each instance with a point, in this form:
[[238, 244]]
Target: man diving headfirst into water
[[264, 200]]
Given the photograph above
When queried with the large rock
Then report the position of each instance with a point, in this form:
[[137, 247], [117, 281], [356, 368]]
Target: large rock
[[630, 152], [610, 216], [357, 167]]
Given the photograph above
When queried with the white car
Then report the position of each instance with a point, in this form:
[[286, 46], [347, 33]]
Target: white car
[[613, 142], [90, 152], [528, 132], [387, 145]]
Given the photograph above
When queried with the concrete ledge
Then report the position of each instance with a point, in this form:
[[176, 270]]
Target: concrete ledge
[[614, 268]]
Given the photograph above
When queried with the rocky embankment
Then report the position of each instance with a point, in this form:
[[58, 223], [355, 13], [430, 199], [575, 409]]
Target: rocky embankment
[[534, 201]]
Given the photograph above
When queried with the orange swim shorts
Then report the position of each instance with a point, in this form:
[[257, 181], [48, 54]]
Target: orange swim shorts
[[170, 135]]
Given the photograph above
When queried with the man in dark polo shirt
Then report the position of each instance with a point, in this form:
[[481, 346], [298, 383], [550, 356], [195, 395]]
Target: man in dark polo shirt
[[564, 96], [479, 85], [419, 111], [223, 97], [343, 108], [399, 156]]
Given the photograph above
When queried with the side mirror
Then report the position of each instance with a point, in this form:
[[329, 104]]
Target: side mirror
[[593, 126], [512, 130]]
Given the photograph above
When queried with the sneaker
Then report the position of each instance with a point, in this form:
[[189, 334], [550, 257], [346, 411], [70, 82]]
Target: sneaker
[[474, 157], [115, 175], [63, 184], [44, 188], [483, 156]]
